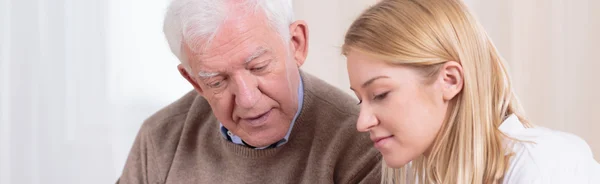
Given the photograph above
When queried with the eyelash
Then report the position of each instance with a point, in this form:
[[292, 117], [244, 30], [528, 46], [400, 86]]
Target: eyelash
[[263, 67], [381, 96], [214, 84], [220, 82], [377, 97], [258, 69]]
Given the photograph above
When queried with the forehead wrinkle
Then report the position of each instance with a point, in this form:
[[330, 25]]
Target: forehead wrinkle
[[236, 41], [233, 54], [221, 50]]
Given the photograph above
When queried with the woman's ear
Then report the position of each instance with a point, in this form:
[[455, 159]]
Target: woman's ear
[[452, 79]]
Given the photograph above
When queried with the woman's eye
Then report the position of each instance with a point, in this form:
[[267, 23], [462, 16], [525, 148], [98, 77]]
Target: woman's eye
[[381, 96]]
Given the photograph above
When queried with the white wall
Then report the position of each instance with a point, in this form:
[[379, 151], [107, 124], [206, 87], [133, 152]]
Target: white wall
[[53, 92], [77, 78]]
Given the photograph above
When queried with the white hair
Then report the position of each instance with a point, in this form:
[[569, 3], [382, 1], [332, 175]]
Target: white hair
[[195, 22]]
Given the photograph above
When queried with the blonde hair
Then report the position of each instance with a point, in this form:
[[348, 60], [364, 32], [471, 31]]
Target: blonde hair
[[469, 147]]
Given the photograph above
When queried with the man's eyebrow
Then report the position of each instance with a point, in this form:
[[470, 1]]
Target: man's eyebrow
[[204, 75], [259, 52]]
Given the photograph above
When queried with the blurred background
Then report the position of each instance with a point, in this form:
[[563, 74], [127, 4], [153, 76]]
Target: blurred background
[[78, 77]]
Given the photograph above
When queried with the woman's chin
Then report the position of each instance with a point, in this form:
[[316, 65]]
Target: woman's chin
[[395, 161]]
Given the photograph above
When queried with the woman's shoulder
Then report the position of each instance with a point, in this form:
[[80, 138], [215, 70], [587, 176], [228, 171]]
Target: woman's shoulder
[[548, 156], [550, 142]]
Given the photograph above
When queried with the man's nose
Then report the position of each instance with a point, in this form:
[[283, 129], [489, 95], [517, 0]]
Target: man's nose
[[245, 89]]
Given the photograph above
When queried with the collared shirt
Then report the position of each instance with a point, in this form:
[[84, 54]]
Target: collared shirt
[[544, 156], [237, 140]]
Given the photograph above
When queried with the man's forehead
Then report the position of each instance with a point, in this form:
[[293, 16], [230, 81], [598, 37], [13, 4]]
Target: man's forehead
[[239, 28], [211, 65], [229, 42], [237, 42], [243, 55]]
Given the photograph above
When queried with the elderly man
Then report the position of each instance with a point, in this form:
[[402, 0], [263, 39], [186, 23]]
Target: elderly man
[[253, 117]]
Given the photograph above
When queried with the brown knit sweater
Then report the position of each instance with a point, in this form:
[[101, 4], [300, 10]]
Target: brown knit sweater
[[182, 144]]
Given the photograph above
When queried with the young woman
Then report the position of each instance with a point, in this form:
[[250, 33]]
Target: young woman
[[436, 98]]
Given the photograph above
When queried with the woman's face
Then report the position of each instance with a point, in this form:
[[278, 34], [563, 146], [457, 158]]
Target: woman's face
[[402, 112]]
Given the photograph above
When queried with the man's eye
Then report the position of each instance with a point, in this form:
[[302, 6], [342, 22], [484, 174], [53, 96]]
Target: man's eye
[[261, 67], [216, 84], [258, 69]]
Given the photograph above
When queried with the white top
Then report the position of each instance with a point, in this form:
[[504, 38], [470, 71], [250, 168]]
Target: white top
[[544, 156]]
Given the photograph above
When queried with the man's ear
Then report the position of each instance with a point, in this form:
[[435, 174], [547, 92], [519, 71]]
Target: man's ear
[[299, 41], [189, 78], [451, 74]]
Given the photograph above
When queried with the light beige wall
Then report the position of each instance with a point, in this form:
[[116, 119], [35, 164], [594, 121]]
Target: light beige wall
[[550, 46]]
